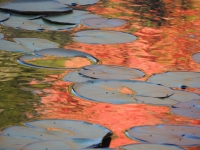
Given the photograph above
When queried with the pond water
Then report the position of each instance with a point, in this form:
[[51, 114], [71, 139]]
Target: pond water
[[164, 36]]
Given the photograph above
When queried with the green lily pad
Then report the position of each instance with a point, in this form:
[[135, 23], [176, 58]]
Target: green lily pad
[[4, 16], [196, 57], [1, 36], [110, 72], [103, 37], [75, 77], [79, 2], [35, 7], [177, 79]]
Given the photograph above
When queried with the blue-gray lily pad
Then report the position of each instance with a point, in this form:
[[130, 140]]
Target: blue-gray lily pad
[[75, 77], [177, 79], [118, 91], [103, 37], [4, 16], [189, 109], [196, 57], [110, 72], [1, 36], [70, 18], [79, 2], [166, 134], [149, 147], [103, 22], [35, 7]]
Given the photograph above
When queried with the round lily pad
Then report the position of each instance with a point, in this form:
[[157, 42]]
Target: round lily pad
[[75, 77], [4, 16], [103, 37], [118, 91], [1, 36], [177, 79], [35, 7], [103, 22], [149, 147], [166, 134], [189, 109], [24, 22], [69, 133], [79, 2], [36, 43], [110, 72], [70, 18], [196, 57]]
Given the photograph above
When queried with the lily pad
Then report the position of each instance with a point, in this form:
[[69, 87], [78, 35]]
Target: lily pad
[[103, 22], [177, 79], [149, 147], [35, 7], [70, 18], [196, 57], [166, 134], [189, 109], [24, 22], [110, 72], [36, 43], [13, 47], [79, 2], [103, 37], [118, 91], [75, 77], [1, 36], [4, 16]]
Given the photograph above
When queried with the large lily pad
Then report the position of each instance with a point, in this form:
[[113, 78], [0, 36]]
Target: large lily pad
[[70, 18], [118, 91], [177, 79], [25, 22], [75, 77], [1, 36], [196, 57], [35, 7], [166, 134], [36, 43], [149, 147], [189, 109], [69, 133], [103, 22], [4, 16], [103, 37], [110, 72], [79, 2]]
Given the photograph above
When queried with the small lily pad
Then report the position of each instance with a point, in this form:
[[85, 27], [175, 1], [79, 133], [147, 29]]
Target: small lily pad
[[118, 91], [35, 7], [177, 79], [1, 36], [166, 134], [103, 22], [189, 109], [110, 72], [149, 147], [70, 18], [75, 77], [103, 37], [196, 57], [4, 16], [36, 43], [79, 2]]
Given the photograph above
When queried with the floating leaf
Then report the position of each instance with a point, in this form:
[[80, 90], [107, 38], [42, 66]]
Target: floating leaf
[[103, 37], [79, 2], [196, 57], [35, 7], [111, 91], [75, 77], [177, 79], [149, 147], [110, 72], [70, 18], [166, 134], [36, 43], [189, 109], [103, 22], [4, 16], [1, 36]]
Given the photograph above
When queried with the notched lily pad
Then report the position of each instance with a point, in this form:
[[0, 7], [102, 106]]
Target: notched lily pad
[[149, 147], [103, 37], [196, 57], [177, 79], [1, 36], [79, 2], [118, 91], [110, 72], [75, 77], [166, 134], [189, 109], [35, 7], [4, 16], [103, 22]]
